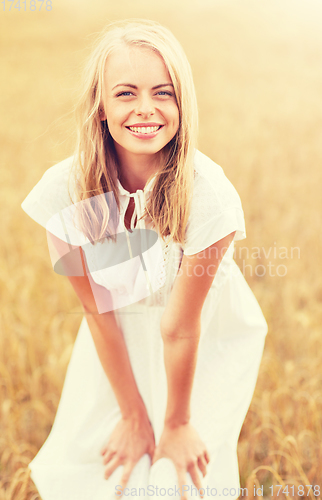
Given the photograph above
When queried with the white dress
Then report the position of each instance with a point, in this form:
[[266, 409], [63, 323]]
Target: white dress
[[233, 332]]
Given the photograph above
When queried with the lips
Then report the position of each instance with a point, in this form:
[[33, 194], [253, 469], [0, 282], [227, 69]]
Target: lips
[[145, 133], [145, 124], [148, 129]]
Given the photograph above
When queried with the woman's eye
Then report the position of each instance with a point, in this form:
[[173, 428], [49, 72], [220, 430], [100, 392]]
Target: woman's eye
[[128, 93]]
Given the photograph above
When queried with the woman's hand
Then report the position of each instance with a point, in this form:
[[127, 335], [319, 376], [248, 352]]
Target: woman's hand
[[129, 441], [184, 447]]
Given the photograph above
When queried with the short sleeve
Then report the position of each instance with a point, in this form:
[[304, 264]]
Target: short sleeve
[[216, 208], [50, 202]]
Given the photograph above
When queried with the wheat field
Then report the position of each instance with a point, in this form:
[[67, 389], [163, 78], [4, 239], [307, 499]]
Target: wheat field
[[257, 68]]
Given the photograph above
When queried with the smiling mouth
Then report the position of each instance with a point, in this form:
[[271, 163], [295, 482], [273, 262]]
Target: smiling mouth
[[145, 130]]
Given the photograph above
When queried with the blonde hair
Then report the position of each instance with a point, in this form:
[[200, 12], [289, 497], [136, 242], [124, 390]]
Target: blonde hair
[[95, 160]]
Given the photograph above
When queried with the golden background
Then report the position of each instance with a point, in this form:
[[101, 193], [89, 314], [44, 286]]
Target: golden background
[[257, 68]]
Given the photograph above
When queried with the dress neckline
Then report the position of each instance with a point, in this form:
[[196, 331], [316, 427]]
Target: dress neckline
[[139, 203], [148, 187]]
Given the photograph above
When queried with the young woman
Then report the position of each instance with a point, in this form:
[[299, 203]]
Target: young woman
[[167, 355]]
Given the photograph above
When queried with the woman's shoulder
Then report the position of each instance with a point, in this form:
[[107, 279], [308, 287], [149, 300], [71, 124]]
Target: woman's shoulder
[[211, 185], [216, 208], [57, 173], [54, 180], [52, 193], [205, 166]]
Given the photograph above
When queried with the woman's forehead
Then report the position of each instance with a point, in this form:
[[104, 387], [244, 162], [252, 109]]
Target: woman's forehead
[[137, 63]]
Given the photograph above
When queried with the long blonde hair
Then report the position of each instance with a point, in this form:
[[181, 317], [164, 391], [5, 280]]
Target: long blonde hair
[[95, 165]]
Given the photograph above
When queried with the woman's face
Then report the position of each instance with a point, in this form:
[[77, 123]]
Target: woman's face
[[139, 102]]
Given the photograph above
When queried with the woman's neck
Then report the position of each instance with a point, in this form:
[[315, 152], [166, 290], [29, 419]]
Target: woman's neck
[[135, 170]]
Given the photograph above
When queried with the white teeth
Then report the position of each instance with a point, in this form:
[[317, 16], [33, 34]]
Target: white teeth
[[144, 130]]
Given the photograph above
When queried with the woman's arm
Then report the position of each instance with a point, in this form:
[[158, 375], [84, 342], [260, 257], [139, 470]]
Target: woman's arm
[[107, 336], [133, 435], [113, 354], [180, 329]]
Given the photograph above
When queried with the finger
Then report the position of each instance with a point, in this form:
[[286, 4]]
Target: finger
[[151, 452], [108, 456], [202, 464], [103, 449], [193, 471], [207, 456], [183, 487], [114, 463], [156, 456], [127, 471]]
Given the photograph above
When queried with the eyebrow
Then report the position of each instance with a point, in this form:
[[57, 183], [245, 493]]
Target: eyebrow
[[135, 87]]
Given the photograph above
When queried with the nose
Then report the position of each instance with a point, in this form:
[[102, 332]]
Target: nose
[[144, 106]]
